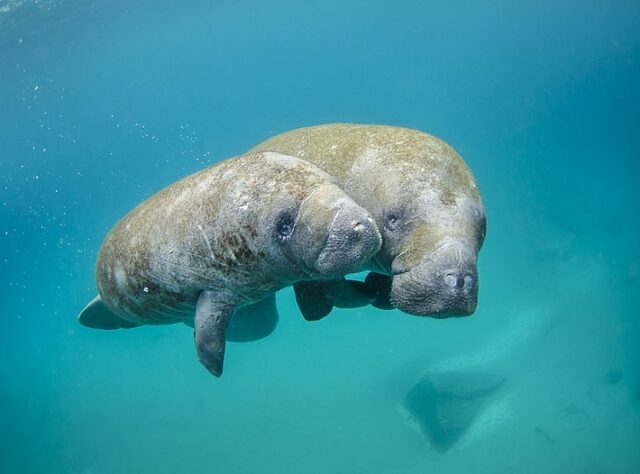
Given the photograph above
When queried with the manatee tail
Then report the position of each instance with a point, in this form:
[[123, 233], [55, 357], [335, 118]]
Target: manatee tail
[[97, 315]]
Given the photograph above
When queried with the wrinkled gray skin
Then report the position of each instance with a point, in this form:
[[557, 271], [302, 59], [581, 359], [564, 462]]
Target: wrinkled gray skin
[[425, 202], [225, 239]]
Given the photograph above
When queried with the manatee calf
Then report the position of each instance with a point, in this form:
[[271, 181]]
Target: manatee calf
[[426, 204], [224, 239]]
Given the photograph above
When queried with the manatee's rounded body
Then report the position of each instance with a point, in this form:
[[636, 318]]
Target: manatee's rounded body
[[225, 239], [423, 198], [187, 238]]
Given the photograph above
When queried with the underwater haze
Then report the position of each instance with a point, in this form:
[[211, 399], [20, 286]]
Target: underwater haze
[[103, 103]]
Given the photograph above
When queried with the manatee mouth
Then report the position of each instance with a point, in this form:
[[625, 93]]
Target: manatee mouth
[[353, 238], [444, 284]]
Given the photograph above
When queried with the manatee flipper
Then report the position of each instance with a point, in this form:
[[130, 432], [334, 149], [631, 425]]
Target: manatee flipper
[[255, 321], [97, 315], [213, 314], [252, 322], [314, 298], [351, 294], [317, 298], [379, 286]]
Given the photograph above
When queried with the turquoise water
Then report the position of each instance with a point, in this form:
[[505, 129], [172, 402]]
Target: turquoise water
[[103, 103]]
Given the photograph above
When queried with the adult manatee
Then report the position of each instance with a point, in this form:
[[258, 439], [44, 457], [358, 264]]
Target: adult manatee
[[426, 204]]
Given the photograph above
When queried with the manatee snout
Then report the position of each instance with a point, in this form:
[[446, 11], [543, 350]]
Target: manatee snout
[[335, 234], [444, 284], [353, 239]]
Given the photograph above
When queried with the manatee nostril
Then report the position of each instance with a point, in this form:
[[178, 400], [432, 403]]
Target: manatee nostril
[[459, 281], [451, 280], [469, 282], [358, 227]]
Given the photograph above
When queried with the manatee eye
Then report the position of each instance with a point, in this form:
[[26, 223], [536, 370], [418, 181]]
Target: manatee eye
[[392, 221], [285, 224]]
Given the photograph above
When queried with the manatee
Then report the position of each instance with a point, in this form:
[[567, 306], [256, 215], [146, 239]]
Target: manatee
[[425, 202], [445, 405], [222, 241]]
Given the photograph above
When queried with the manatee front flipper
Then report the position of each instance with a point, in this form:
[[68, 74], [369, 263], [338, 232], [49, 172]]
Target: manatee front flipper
[[317, 298], [379, 286], [97, 315], [213, 313], [314, 298], [255, 321], [351, 294]]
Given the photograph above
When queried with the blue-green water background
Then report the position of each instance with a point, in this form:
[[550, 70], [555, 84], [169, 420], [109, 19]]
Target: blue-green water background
[[103, 103]]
